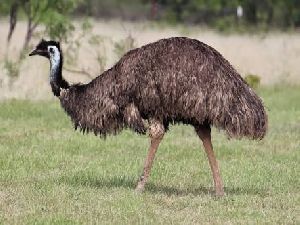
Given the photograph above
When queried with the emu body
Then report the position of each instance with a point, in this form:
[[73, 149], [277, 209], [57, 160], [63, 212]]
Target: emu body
[[169, 81]]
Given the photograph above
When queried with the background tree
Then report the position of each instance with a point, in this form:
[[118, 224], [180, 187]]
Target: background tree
[[53, 14]]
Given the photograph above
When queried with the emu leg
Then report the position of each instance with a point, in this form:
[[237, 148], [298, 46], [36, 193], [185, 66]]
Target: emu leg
[[156, 133], [204, 132]]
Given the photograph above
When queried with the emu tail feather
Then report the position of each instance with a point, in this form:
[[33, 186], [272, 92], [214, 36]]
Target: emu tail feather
[[240, 112]]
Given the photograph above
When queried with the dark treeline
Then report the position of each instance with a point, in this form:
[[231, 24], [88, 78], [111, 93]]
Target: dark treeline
[[268, 13], [274, 13]]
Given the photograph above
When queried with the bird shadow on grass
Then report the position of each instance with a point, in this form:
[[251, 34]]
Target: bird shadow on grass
[[130, 183]]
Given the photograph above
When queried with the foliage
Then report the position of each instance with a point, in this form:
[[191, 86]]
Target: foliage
[[272, 13], [97, 42], [74, 42], [97, 45], [54, 15], [253, 80], [275, 13], [56, 21], [129, 9], [60, 28], [12, 68], [123, 46]]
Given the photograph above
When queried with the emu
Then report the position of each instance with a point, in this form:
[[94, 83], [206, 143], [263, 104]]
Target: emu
[[174, 80]]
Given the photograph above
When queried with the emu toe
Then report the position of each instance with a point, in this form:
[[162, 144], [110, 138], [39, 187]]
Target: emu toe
[[139, 188], [220, 193]]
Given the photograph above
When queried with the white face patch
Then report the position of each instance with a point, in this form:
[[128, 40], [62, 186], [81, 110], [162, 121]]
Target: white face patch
[[55, 58], [54, 54]]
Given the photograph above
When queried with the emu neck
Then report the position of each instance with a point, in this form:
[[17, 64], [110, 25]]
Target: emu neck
[[56, 80], [56, 62]]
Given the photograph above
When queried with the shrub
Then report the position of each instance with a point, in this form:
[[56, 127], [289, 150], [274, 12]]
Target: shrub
[[12, 68], [123, 46], [253, 80]]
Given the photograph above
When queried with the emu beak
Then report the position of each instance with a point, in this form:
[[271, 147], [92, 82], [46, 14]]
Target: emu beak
[[34, 52]]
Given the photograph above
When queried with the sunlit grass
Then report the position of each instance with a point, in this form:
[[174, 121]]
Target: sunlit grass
[[50, 174]]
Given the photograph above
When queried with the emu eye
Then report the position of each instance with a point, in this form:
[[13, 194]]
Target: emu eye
[[51, 50]]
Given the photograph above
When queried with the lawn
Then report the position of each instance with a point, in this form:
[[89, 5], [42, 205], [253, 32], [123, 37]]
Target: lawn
[[51, 174]]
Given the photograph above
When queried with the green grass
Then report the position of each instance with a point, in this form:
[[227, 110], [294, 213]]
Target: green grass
[[50, 174]]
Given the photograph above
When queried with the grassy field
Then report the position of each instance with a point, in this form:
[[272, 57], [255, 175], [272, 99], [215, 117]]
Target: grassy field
[[50, 174]]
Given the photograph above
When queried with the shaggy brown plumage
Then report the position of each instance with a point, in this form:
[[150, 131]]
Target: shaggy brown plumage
[[172, 80]]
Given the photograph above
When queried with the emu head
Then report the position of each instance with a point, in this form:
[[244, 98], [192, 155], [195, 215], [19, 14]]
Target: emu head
[[48, 49], [51, 50]]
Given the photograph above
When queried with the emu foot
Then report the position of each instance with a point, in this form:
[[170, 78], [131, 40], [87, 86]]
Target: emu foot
[[140, 188], [220, 192]]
